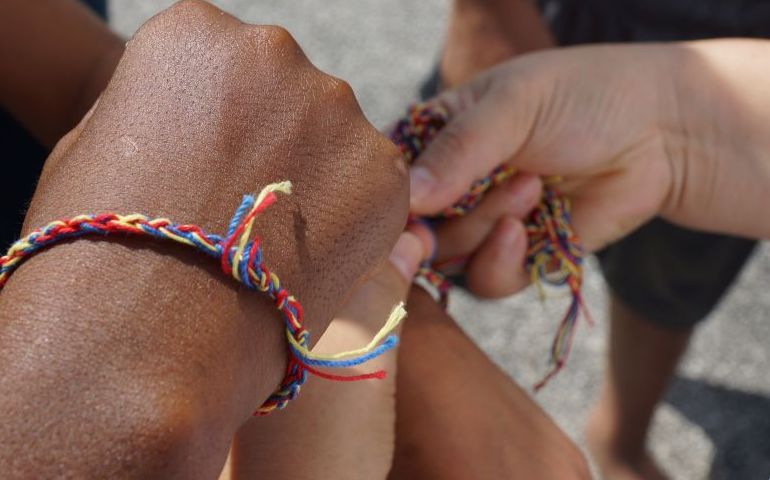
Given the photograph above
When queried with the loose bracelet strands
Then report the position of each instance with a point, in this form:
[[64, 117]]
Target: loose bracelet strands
[[554, 256], [240, 257]]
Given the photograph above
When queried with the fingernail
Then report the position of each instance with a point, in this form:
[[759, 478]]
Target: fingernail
[[421, 183], [406, 254]]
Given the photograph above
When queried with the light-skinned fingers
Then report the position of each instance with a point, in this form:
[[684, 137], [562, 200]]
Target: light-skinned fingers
[[515, 197], [410, 250], [497, 269], [478, 138]]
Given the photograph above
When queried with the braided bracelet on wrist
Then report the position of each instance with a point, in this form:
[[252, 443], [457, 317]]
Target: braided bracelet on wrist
[[239, 257]]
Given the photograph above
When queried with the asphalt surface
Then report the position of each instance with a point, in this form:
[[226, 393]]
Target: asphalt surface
[[715, 422]]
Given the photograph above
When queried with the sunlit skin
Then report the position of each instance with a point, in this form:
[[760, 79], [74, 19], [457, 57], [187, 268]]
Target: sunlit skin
[[138, 359], [443, 403], [676, 130]]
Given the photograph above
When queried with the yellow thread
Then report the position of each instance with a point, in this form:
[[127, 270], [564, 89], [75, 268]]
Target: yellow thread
[[396, 315], [175, 237], [134, 217], [283, 187], [204, 242]]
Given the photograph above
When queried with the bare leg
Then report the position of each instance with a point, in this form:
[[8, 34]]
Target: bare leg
[[483, 33], [642, 358], [460, 417]]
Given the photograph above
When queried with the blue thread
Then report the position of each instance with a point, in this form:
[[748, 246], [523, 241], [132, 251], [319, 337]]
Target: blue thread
[[390, 342], [246, 203]]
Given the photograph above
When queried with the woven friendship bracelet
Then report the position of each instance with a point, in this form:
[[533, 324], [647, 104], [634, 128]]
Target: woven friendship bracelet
[[554, 256], [239, 257]]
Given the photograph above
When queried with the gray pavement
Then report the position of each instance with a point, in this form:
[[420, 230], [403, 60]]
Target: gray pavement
[[716, 419]]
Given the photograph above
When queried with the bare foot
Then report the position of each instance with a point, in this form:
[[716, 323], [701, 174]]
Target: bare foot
[[613, 462], [483, 33]]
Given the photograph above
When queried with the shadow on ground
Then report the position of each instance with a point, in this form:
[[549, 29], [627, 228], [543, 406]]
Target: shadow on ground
[[736, 422]]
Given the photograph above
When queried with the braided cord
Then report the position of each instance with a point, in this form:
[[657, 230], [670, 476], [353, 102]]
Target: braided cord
[[554, 254], [239, 257]]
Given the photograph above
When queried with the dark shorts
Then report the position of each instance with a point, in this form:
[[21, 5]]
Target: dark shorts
[[25, 157], [671, 275]]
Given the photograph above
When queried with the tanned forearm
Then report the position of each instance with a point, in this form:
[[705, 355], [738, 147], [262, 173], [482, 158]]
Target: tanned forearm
[[132, 358], [128, 358], [458, 416]]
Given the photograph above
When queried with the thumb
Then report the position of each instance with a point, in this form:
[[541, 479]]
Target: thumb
[[412, 248], [489, 122]]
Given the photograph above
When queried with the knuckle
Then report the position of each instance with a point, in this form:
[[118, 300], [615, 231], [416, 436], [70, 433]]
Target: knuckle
[[191, 6], [188, 16], [278, 38], [186, 11], [275, 48], [338, 91]]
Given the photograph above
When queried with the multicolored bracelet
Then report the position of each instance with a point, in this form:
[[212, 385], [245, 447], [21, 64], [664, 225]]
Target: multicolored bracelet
[[239, 257], [555, 255]]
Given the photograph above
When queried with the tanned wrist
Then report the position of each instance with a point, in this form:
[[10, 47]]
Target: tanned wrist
[[141, 322], [201, 109], [151, 334]]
